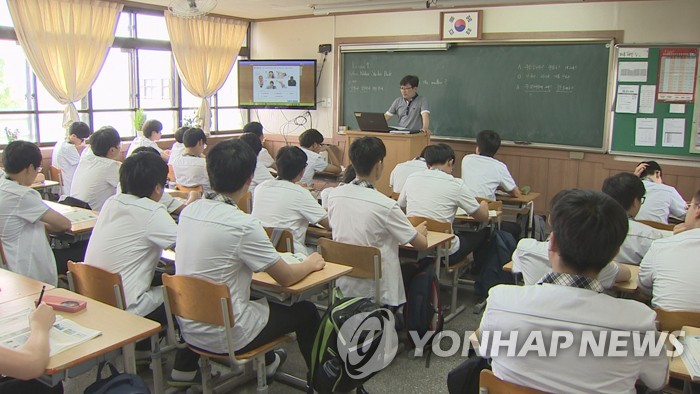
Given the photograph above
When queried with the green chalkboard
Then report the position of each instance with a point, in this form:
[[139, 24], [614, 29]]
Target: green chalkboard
[[538, 93], [624, 124]]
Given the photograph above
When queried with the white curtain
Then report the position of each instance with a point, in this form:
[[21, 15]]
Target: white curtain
[[66, 43], [205, 49]]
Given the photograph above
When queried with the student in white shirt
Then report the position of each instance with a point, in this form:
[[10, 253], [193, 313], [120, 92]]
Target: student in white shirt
[[65, 155], [191, 168], [628, 190], [349, 175], [281, 203], [482, 173], [264, 156], [588, 228], [217, 241], [360, 215], [262, 173], [151, 132], [402, 170], [435, 194], [97, 175], [25, 218], [178, 147], [670, 271], [662, 200], [311, 142]]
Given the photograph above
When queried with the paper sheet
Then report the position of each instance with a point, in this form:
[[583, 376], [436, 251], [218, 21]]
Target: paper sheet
[[632, 71], [633, 53], [647, 99], [627, 96], [677, 108], [645, 132], [674, 133]]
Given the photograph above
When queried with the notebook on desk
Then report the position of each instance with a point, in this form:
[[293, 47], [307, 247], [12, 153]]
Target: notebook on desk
[[375, 121]]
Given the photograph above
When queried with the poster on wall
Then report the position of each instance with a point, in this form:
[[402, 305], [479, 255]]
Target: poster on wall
[[677, 74]]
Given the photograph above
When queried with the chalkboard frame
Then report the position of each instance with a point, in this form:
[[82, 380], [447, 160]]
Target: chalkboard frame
[[391, 44]]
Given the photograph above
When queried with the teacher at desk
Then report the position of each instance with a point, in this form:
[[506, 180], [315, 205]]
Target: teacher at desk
[[411, 108]]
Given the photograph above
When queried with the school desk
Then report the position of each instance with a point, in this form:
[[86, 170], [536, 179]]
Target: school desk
[[120, 329], [527, 202], [677, 368], [82, 221], [43, 187], [14, 286]]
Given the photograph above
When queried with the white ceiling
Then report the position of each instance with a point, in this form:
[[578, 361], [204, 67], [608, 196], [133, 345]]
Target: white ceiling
[[263, 9]]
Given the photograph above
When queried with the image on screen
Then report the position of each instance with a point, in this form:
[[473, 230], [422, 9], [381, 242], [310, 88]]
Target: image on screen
[[288, 84]]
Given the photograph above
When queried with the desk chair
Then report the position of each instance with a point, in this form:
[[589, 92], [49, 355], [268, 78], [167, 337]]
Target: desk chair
[[494, 385], [171, 173], [188, 189], [282, 239], [56, 175], [207, 302], [657, 225], [366, 261], [245, 204], [455, 269], [107, 288], [675, 320]]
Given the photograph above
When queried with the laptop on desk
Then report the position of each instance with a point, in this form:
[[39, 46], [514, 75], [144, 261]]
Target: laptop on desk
[[375, 121]]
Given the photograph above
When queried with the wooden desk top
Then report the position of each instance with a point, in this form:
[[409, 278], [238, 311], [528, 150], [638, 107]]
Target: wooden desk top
[[631, 285], [15, 286], [79, 226], [524, 199], [315, 279], [44, 184], [470, 219], [676, 366], [319, 232], [435, 239], [118, 329]]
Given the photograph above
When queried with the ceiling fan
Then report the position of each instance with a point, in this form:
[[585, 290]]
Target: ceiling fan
[[191, 8]]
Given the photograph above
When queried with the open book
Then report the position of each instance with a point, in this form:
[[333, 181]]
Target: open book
[[64, 334]]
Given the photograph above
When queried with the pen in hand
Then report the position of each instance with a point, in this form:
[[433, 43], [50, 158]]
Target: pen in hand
[[41, 295]]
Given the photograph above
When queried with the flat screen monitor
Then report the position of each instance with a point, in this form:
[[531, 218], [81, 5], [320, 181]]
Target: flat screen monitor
[[287, 84]]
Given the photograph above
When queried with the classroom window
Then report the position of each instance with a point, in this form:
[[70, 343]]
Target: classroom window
[[112, 88], [151, 27], [5, 18]]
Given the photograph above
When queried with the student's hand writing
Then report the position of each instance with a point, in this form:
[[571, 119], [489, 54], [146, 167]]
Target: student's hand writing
[[640, 168], [42, 318], [316, 261], [423, 229]]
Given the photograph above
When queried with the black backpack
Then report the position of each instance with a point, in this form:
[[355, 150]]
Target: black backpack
[[422, 312], [329, 371], [490, 258]]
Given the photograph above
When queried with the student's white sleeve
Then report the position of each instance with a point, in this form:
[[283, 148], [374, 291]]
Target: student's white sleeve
[[324, 196], [398, 225], [31, 207], [318, 165], [646, 272], [654, 372], [112, 176], [262, 174], [678, 206], [161, 228], [402, 197], [507, 181], [467, 200], [531, 257], [392, 179], [308, 207], [256, 250], [607, 275], [265, 158], [171, 204]]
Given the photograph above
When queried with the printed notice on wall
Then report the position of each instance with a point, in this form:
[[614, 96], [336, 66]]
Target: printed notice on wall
[[677, 71], [647, 99], [633, 53], [645, 132], [627, 96], [632, 71], [674, 133]]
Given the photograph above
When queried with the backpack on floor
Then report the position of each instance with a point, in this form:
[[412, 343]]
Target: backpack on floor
[[491, 257], [329, 371], [422, 312]]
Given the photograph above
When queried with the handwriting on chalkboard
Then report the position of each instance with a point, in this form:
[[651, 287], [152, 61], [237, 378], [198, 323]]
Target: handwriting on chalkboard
[[545, 78]]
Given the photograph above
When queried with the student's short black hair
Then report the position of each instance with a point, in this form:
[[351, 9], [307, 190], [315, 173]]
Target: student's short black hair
[[309, 137], [19, 155], [291, 161], [103, 139], [652, 167], [438, 154], [410, 80], [349, 174], [141, 173], [253, 141], [624, 188], [588, 227], [193, 136], [180, 133], [146, 149], [488, 142], [254, 127], [230, 164], [80, 129], [150, 126], [365, 152]]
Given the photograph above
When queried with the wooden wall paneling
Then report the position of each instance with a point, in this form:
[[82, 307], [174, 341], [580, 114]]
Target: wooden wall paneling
[[562, 174], [687, 186], [591, 175], [534, 172], [513, 164]]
